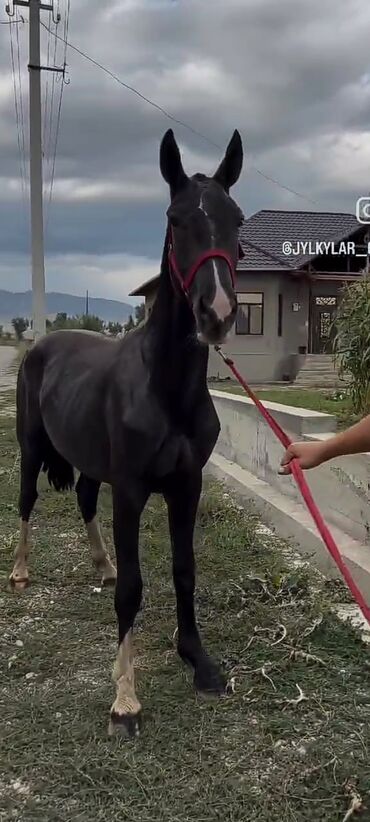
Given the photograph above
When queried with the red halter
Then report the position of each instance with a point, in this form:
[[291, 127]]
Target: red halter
[[211, 254]]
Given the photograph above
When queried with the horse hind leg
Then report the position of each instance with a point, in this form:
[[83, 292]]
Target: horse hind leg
[[87, 497], [31, 461], [99, 553]]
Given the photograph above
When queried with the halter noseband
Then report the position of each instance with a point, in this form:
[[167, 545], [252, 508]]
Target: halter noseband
[[211, 254]]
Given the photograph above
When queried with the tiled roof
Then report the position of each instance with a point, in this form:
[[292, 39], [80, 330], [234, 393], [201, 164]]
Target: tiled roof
[[142, 289], [263, 234]]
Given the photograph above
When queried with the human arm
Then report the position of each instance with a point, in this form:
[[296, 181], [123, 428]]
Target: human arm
[[354, 440]]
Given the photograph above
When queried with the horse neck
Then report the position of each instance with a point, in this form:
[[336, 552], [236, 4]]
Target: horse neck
[[178, 360]]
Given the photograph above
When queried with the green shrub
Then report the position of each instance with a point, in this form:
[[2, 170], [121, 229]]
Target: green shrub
[[352, 342]]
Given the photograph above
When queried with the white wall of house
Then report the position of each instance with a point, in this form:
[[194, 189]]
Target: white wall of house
[[271, 356], [149, 301]]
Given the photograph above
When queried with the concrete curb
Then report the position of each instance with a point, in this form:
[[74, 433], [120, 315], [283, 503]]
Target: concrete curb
[[293, 522]]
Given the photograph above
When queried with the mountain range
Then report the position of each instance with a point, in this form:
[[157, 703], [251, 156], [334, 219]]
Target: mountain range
[[20, 305]]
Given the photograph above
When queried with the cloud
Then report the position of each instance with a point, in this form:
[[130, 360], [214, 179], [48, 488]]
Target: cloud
[[293, 77], [69, 190], [104, 275]]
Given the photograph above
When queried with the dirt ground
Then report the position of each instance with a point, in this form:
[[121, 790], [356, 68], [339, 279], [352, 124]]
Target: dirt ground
[[8, 357]]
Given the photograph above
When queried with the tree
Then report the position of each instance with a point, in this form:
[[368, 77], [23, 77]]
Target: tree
[[129, 325], [352, 342], [114, 328], [20, 325], [1, 330], [91, 323], [139, 313], [60, 321]]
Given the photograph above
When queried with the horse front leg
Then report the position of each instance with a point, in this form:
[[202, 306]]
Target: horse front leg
[[182, 501], [125, 716]]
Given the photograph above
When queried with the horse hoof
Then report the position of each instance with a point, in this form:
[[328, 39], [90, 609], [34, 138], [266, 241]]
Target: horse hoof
[[126, 725], [209, 681], [18, 584]]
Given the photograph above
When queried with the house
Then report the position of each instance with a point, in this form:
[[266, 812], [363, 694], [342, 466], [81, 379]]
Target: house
[[287, 295]]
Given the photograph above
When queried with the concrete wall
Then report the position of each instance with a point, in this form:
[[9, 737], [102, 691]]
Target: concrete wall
[[149, 301], [266, 358], [295, 292], [269, 358], [341, 487], [330, 288]]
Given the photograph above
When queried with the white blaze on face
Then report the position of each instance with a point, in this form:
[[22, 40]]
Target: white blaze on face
[[221, 303]]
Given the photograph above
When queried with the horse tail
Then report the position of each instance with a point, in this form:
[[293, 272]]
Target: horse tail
[[59, 472], [30, 425]]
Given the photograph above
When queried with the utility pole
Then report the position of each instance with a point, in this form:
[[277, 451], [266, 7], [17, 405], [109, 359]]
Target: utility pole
[[87, 304], [37, 219], [36, 190]]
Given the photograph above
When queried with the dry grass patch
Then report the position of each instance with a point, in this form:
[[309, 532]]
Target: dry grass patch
[[291, 743]]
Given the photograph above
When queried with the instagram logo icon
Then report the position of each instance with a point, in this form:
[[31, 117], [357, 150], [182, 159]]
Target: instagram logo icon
[[363, 210]]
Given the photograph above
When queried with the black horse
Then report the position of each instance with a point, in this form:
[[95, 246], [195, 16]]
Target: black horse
[[137, 413]]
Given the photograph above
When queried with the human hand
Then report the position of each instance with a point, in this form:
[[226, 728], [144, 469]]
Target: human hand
[[307, 454]]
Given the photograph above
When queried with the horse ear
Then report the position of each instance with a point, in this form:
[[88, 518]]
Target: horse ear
[[170, 162], [228, 172]]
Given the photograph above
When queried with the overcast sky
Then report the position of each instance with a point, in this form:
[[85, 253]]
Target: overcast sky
[[293, 76]]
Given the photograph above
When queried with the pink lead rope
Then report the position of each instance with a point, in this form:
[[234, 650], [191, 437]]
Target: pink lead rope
[[304, 489]]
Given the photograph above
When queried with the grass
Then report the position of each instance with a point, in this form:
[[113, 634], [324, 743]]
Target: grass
[[337, 403], [291, 744]]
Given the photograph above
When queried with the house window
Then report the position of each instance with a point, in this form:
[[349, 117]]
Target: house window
[[249, 319], [280, 316]]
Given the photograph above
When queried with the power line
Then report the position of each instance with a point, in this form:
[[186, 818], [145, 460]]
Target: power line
[[46, 102], [21, 105], [53, 154], [17, 117], [51, 112], [66, 28], [55, 150], [169, 116], [281, 185], [134, 90]]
